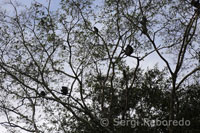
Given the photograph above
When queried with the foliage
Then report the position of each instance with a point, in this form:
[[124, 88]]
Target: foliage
[[42, 50]]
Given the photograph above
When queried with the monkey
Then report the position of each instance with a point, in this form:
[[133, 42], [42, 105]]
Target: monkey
[[96, 30], [124, 74], [42, 94], [144, 21], [128, 50], [64, 90], [144, 30], [195, 3], [144, 24]]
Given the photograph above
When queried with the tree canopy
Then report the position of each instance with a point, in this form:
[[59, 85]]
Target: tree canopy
[[83, 66]]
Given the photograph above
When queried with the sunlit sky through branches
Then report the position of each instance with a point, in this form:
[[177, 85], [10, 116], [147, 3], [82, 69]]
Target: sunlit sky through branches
[[149, 62]]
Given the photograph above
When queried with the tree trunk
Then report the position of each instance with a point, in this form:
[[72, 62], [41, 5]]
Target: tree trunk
[[171, 111]]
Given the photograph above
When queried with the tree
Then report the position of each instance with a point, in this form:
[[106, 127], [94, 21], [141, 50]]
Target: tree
[[43, 50]]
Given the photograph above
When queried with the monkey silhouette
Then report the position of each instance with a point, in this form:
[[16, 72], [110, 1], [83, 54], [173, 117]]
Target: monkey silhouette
[[96, 30], [64, 90], [42, 94], [128, 50]]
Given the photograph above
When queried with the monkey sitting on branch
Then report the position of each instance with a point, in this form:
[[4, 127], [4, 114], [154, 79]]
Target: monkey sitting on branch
[[144, 25], [129, 50], [96, 30], [64, 90], [42, 94]]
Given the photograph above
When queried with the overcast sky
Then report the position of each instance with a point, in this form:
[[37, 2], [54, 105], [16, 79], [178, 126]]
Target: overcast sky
[[149, 61]]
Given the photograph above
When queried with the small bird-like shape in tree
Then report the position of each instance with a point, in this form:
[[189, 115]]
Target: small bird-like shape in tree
[[42, 94], [128, 50], [64, 90], [96, 30], [195, 3]]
